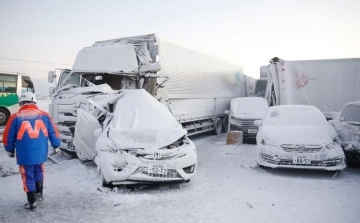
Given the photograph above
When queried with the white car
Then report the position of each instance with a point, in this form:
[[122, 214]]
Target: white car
[[139, 142], [243, 112], [298, 136], [347, 126]]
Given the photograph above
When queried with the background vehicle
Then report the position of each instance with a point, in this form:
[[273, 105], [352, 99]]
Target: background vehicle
[[196, 87], [298, 136], [11, 87], [347, 126], [261, 83], [243, 112], [325, 84]]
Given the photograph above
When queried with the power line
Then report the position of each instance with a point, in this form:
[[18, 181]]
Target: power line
[[32, 61], [3, 69]]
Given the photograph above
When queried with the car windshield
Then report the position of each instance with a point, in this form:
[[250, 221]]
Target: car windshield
[[351, 113], [294, 116]]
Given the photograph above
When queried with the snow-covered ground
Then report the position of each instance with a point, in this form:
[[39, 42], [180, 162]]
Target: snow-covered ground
[[228, 187]]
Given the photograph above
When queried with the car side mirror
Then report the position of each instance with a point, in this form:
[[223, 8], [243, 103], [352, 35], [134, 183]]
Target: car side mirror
[[227, 112], [258, 123], [51, 90], [51, 76]]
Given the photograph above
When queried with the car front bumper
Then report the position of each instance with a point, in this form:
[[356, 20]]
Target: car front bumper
[[137, 171], [274, 157]]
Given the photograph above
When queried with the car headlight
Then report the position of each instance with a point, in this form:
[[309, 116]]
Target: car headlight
[[330, 146], [268, 142], [235, 122]]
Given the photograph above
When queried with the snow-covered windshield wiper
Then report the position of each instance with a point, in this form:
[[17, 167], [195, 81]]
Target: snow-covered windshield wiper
[[92, 92]]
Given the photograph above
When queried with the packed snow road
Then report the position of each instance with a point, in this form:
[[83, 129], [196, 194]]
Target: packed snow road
[[228, 187]]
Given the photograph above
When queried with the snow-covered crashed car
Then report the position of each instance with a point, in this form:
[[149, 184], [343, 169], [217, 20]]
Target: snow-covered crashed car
[[140, 141], [347, 127], [298, 136]]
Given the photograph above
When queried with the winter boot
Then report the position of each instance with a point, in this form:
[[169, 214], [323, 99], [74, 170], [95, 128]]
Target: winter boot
[[39, 191], [31, 205]]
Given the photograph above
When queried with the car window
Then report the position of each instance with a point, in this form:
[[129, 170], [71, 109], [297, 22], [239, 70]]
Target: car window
[[350, 113]]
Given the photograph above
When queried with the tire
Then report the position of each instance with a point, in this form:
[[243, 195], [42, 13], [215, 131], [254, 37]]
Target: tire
[[104, 183], [81, 156], [217, 126], [225, 124], [4, 116], [352, 161]]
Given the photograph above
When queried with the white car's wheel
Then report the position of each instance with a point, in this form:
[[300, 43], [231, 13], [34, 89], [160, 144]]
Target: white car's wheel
[[81, 156], [104, 183]]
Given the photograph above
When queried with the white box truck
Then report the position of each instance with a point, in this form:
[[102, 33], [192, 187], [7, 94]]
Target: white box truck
[[326, 84], [196, 87]]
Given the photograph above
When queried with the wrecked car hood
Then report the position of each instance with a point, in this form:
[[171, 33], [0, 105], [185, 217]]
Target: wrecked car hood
[[140, 121]]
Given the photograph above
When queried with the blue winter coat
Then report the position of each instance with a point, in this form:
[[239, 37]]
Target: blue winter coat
[[28, 131]]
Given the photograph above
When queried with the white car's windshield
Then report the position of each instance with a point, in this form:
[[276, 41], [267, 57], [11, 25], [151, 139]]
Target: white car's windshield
[[249, 105], [351, 113], [294, 115]]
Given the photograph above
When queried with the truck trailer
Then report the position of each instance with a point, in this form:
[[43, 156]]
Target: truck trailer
[[325, 84], [196, 88]]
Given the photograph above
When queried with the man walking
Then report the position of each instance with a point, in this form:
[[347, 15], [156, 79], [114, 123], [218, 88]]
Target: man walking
[[26, 135]]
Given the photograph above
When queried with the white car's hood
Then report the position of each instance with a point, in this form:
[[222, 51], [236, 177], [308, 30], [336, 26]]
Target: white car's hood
[[315, 135]]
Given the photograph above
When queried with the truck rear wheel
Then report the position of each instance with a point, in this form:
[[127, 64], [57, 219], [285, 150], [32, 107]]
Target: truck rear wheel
[[4, 116], [217, 126], [225, 124]]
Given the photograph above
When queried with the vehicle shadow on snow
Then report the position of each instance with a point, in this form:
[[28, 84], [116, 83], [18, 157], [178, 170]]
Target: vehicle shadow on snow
[[310, 174], [153, 187]]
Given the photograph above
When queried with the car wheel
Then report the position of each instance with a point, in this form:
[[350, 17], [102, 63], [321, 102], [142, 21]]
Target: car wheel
[[80, 155], [217, 126], [352, 159], [225, 124], [4, 116], [104, 183]]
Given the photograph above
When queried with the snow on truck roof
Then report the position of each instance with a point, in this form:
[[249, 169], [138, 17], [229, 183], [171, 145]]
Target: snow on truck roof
[[115, 58]]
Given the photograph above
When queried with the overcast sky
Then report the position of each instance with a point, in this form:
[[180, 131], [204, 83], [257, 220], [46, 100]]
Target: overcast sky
[[248, 33]]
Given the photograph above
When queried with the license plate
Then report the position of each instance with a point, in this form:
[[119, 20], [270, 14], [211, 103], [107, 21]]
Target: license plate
[[252, 130], [157, 168], [301, 160]]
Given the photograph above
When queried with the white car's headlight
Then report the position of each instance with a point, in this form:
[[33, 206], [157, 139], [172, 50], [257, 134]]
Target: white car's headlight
[[235, 122], [330, 146], [268, 142]]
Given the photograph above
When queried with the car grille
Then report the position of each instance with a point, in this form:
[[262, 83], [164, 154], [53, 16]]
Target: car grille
[[301, 149], [245, 122], [288, 162]]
